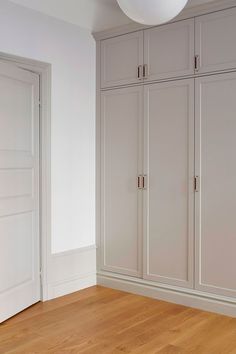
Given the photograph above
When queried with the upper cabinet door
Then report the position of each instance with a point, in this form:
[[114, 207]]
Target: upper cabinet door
[[215, 41], [169, 50], [216, 199], [122, 60]]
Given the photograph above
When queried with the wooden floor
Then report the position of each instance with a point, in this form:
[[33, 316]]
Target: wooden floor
[[100, 320]]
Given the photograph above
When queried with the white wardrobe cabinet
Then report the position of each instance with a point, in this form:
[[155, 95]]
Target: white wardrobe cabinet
[[157, 53], [121, 204], [122, 60], [169, 50], [165, 142], [169, 198], [216, 200], [215, 41], [168, 162]]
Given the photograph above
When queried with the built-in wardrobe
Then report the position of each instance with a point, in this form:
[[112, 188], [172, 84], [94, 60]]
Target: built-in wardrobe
[[166, 135]]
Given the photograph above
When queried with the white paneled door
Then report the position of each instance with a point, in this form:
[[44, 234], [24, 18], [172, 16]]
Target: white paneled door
[[169, 165], [19, 190], [216, 199], [121, 137]]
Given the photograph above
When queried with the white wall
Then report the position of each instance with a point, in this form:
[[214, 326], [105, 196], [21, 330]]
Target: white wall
[[71, 51]]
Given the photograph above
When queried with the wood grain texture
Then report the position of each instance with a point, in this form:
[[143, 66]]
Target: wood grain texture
[[106, 321]]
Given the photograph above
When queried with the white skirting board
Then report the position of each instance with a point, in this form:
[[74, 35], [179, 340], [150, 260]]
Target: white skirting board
[[71, 271], [205, 303]]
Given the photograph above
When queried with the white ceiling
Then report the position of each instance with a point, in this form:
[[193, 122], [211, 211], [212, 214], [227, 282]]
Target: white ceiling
[[96, 15]]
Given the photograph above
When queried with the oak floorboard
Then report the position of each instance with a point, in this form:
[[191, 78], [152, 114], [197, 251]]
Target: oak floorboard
[[99, 320]]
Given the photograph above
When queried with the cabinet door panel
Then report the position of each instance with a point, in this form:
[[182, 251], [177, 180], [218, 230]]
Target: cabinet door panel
[[215, 41], [169, 201], [120, 58], [216, 200], [121, 164], [169, 50]]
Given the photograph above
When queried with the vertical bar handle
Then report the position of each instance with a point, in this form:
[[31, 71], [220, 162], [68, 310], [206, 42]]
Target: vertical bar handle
[[145, 71], [144, 178], [197, 63], [196, 184], [140, 67], [139, 180], [142, 182]]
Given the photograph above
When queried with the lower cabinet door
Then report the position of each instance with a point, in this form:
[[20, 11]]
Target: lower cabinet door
[[216, 199], [121, 164], [169, 196]]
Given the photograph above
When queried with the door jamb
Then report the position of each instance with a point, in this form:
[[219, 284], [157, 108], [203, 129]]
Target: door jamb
[[44, 71]]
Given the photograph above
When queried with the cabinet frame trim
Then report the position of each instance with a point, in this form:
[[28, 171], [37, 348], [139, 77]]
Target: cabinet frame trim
[[189, 12]]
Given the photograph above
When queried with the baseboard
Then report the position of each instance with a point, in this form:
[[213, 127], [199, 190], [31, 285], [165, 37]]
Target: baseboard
[[71, 271], [182, 298], [70, 286]]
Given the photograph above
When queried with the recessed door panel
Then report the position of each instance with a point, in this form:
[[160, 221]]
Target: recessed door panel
[[215, 41], [169, 50], [122, 60], [16, 118], [169, 165], [121, 165], [17, 249], [16, 183], [216, 199]]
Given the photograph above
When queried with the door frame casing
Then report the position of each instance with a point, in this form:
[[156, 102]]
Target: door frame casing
[[44, 71]]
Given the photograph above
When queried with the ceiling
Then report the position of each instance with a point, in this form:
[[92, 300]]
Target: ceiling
[[95, 15]]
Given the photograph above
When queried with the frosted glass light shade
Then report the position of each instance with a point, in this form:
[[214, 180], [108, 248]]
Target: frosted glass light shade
[[152, 12]]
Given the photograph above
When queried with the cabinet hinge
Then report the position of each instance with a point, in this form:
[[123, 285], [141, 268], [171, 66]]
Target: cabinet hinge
[[196, 184], [197, 62]]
